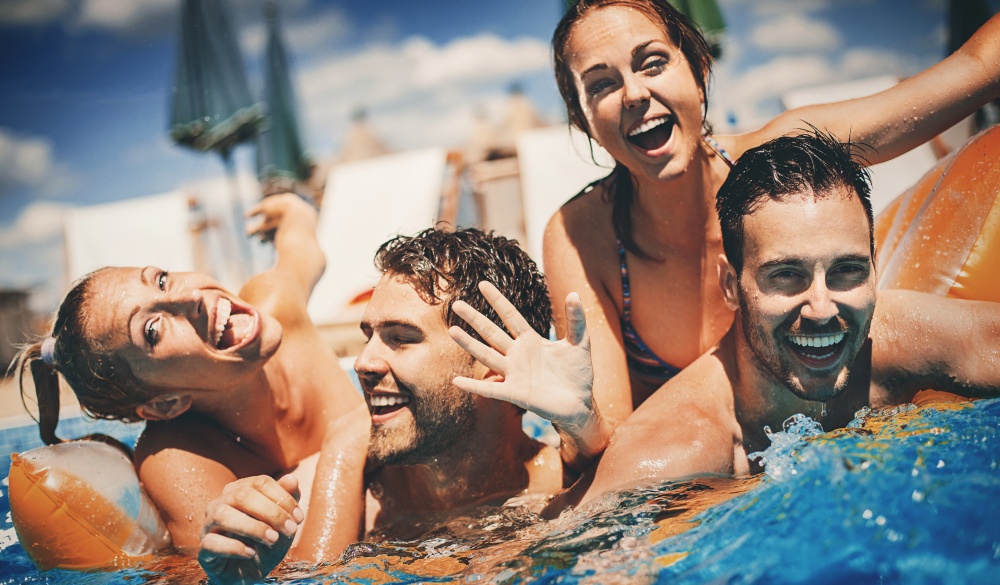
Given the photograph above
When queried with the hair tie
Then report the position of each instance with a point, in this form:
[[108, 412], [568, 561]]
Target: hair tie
[[49, 351]]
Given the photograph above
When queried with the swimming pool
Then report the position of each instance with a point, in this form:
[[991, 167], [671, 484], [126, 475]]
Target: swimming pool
[[909, 498]]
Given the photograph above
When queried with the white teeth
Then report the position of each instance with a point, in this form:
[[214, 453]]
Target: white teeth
[[649, 125], [817, 341], [222, 312], [388, 400]]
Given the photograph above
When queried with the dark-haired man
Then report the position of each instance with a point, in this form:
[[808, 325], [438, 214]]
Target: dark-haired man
[[807, 337]]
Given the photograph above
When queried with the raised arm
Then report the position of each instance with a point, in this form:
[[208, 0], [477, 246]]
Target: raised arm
[[910, 113], [924, 341], [550, 378], [300, 262]]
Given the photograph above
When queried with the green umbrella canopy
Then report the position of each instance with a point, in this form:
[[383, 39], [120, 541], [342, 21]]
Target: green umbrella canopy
[[280, 152], [212, 108]]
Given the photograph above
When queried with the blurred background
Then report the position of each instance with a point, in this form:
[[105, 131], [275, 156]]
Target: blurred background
[[138, 132]]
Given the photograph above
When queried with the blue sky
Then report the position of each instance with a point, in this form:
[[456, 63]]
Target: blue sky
[[84, 85]]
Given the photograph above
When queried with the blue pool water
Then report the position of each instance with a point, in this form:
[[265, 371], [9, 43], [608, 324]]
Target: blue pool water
[[908, 498]]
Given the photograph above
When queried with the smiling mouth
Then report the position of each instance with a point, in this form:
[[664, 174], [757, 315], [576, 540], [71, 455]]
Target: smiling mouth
[[653, 134], [232, 328], [382, 404], [818, 350]]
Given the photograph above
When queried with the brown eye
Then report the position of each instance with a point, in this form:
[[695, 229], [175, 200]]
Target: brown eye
[[152, 332]]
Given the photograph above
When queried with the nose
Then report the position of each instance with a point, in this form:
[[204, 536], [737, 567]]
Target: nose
[[819, 307], [189, 303], [370, 365], [635, 93]]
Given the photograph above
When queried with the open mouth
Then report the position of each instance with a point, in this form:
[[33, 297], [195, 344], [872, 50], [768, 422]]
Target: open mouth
[[385, 404], [653, 134], [818, 351], [233, 326]]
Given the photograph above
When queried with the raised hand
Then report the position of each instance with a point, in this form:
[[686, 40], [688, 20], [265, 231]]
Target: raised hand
[[249, 529], [553, 379]]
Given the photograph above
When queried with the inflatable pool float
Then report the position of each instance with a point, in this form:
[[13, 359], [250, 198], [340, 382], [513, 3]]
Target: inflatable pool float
[[79, 505]]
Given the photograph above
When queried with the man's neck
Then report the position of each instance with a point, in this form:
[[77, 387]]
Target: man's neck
[[489, 465]]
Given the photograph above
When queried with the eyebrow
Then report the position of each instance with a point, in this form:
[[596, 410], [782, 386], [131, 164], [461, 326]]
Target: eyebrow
[[798, 261], [601, 66]]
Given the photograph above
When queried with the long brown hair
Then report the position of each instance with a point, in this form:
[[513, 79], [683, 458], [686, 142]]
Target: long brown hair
[[696, 50]]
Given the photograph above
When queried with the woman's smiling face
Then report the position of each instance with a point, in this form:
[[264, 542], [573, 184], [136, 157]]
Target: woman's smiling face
[[639, 98], [180, 330]]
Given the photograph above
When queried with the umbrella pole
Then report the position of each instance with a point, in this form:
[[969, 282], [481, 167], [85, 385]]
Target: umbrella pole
[[244, 260]]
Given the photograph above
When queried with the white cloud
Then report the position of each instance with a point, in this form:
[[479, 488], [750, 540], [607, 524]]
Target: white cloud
[[27, 161], [425, 93], [795, 32], [39, 222], [32, 12], [127, 17]]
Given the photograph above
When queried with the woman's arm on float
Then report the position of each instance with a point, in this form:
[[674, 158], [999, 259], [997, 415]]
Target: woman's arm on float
[[553, 379], [909, 114], [922, 340], [284, 289], [565, 272], [263, 512]]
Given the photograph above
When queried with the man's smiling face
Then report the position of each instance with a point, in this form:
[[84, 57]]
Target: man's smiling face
[[406, 370], [807, 290]]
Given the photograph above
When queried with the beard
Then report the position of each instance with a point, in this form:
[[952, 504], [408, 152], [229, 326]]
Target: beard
[[440, 419], [774, 356]]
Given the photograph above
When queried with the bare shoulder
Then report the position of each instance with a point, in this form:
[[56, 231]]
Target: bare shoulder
[[192, 445], [579, 244]]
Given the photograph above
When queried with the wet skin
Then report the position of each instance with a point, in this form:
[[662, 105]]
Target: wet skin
[[631, 77], [170, 328], [807, 291]]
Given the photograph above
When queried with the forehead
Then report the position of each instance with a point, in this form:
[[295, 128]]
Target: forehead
[[112, 298], [804, 226], [610, 28], [396, 299]]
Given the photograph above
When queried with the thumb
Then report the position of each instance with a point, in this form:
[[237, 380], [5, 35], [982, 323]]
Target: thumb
[[576, 322]]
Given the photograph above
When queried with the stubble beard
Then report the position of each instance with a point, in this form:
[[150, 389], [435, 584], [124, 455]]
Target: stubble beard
[[440, 419], [781, 367]]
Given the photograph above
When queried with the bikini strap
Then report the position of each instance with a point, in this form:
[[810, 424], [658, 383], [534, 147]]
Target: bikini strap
[[626, 294], [711, 142]]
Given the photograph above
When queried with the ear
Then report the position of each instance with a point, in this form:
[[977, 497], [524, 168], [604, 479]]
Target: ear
[[481, 372], [164, 407], [729, 283]]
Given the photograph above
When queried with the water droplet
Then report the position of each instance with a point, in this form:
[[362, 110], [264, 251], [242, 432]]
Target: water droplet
[[867, 514], [238, 438], [917, 496]]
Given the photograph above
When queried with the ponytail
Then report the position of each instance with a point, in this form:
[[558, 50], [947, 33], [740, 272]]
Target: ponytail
[[46, 379]]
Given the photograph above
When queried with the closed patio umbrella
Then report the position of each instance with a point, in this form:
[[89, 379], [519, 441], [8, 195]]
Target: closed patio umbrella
[[212, 108], [281, 156]]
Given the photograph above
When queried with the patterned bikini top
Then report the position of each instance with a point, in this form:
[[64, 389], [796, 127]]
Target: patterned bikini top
[[641, 360]]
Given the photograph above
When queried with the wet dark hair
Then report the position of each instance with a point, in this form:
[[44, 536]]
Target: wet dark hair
[[102, 381], [698, 54], [814, 161], [449, 265]]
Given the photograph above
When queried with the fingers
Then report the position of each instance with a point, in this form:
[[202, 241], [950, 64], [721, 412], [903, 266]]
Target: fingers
[[508, 313], [485, 355], [258, 508], [576, 322], [214, 545], [486, 389], [489, 331]]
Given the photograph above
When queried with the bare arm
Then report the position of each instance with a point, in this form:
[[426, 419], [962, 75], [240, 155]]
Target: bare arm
[[911, 113], [250, 528], [566, 272], [285, 288], [923, 341]]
